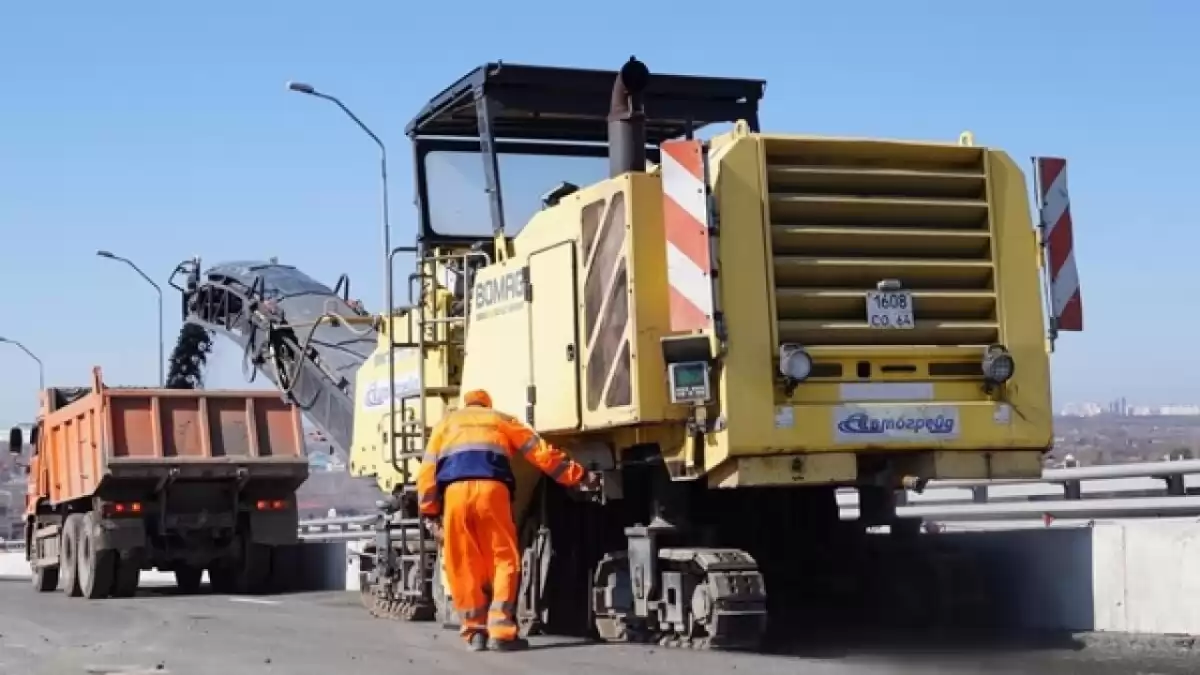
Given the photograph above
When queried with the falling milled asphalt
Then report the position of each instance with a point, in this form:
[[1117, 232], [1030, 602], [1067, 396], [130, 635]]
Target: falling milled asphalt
[[321, 633]]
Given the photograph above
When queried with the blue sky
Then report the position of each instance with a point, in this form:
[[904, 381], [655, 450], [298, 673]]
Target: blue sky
[[162, 130]]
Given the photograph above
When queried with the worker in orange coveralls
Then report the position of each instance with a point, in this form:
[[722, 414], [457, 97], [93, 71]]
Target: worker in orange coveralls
[[467, 466]]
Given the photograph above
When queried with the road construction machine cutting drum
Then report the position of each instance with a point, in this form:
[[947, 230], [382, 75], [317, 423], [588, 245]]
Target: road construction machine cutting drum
[[729, 329]]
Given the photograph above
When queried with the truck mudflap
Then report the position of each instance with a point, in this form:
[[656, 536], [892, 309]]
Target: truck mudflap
[[706, 598], [274, 528], [118, 534]]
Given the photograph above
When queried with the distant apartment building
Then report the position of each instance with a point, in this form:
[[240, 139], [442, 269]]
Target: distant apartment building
[[1186, 409], [1121, 408], [1082, 410]]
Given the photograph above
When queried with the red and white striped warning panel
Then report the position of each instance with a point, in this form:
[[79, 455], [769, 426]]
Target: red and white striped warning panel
[[1066, 302], [685, 217]]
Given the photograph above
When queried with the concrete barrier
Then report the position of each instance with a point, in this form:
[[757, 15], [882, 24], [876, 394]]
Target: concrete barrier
[[13, 564], [314, 567], [1129, 577], [303, 567], [1037, 580], [1148, 578], [352, 550]]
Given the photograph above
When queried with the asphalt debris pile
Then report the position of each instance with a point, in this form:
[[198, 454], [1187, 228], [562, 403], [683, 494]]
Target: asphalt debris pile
[[189, 357]]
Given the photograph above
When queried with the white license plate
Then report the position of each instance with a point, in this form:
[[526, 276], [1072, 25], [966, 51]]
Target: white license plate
[[889, 309]]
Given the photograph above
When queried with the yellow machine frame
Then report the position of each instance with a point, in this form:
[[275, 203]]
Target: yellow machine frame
[[570, 324]]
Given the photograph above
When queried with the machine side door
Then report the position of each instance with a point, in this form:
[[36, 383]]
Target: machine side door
[[553, 331]]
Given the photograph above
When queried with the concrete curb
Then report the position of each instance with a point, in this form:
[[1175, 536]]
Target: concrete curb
[[1141, 643]]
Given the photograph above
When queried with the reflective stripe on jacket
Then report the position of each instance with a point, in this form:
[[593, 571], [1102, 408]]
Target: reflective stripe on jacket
[[476, 443]]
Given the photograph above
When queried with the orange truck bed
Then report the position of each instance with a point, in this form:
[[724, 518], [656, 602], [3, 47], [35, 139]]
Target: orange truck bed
[[93, 439]]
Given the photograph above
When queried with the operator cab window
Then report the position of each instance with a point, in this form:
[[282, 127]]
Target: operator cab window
[[457, 192]]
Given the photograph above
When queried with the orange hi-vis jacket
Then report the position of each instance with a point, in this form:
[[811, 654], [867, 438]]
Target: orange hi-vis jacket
[[478, 443]]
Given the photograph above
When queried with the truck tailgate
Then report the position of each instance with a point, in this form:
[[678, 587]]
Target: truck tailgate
[[111, 434]]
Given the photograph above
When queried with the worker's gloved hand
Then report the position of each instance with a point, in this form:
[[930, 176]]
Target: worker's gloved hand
[[434, 525], [591, 482]]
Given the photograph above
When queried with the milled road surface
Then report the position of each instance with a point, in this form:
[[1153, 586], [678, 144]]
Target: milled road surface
[[324, 633]]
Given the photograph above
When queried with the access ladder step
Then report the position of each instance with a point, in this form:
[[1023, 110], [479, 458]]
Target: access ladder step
[[401, 425]]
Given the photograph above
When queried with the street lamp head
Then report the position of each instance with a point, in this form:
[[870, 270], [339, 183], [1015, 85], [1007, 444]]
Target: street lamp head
[[4, 339], [301, 87], [105, 254]]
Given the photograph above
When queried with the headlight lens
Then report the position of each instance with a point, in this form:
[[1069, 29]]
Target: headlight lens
[[998, 365], [794, 362]]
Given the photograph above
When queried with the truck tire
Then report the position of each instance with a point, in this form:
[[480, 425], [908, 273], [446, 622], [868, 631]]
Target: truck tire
[[187, 578], [69, 556], [249, 575], [127, 575], [222, 577], [255, 574], [96, 567], [287, 573], [45, 579]]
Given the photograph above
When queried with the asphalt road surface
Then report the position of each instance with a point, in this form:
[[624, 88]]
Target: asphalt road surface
[[322, 633]]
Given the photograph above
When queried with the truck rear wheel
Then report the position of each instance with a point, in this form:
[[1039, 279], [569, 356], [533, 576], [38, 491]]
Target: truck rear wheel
[[255, 574], [250, 574], [69, 558], [96, 567], [287, 573], [187, 577], [222, 577], [45, 579], [127, 575]]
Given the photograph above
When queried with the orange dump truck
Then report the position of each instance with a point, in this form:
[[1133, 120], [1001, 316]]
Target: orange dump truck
[[126, 479]]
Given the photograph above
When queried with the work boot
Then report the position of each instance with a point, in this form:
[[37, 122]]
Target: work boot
[[477, 642], [513, 645]]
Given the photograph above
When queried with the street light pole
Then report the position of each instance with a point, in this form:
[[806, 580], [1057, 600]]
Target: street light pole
[[162, 360], [303, 88], [41, 366], [389, 300]]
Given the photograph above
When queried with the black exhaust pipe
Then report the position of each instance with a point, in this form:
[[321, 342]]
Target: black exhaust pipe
[[627, 120]]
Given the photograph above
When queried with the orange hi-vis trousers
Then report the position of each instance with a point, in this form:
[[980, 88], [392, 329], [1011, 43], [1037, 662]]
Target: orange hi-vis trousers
[[480, 549]]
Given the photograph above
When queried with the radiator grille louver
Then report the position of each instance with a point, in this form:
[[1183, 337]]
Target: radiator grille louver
[[845, 214]]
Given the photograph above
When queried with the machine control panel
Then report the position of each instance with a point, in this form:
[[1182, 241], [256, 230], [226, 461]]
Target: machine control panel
[[689, 382]]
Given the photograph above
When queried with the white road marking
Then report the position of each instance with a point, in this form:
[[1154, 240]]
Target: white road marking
[[125, 670], [256, 601]]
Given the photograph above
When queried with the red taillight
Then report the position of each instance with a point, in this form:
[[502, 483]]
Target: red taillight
[[123, 509], [271, 504]]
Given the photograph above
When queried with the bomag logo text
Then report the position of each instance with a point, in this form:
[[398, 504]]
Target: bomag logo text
[[505, 290]]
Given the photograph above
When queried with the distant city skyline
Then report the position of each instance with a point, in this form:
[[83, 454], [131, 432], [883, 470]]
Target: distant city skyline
[[1122, 407]]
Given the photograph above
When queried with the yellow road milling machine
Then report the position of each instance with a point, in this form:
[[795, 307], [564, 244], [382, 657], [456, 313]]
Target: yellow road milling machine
[[729, 329]]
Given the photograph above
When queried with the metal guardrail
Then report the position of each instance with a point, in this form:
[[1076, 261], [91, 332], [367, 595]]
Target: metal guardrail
[[345, 528], [1117, 491], [1143, 490]]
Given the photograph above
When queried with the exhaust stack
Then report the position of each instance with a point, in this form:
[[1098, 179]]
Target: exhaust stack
[[627, 120]]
